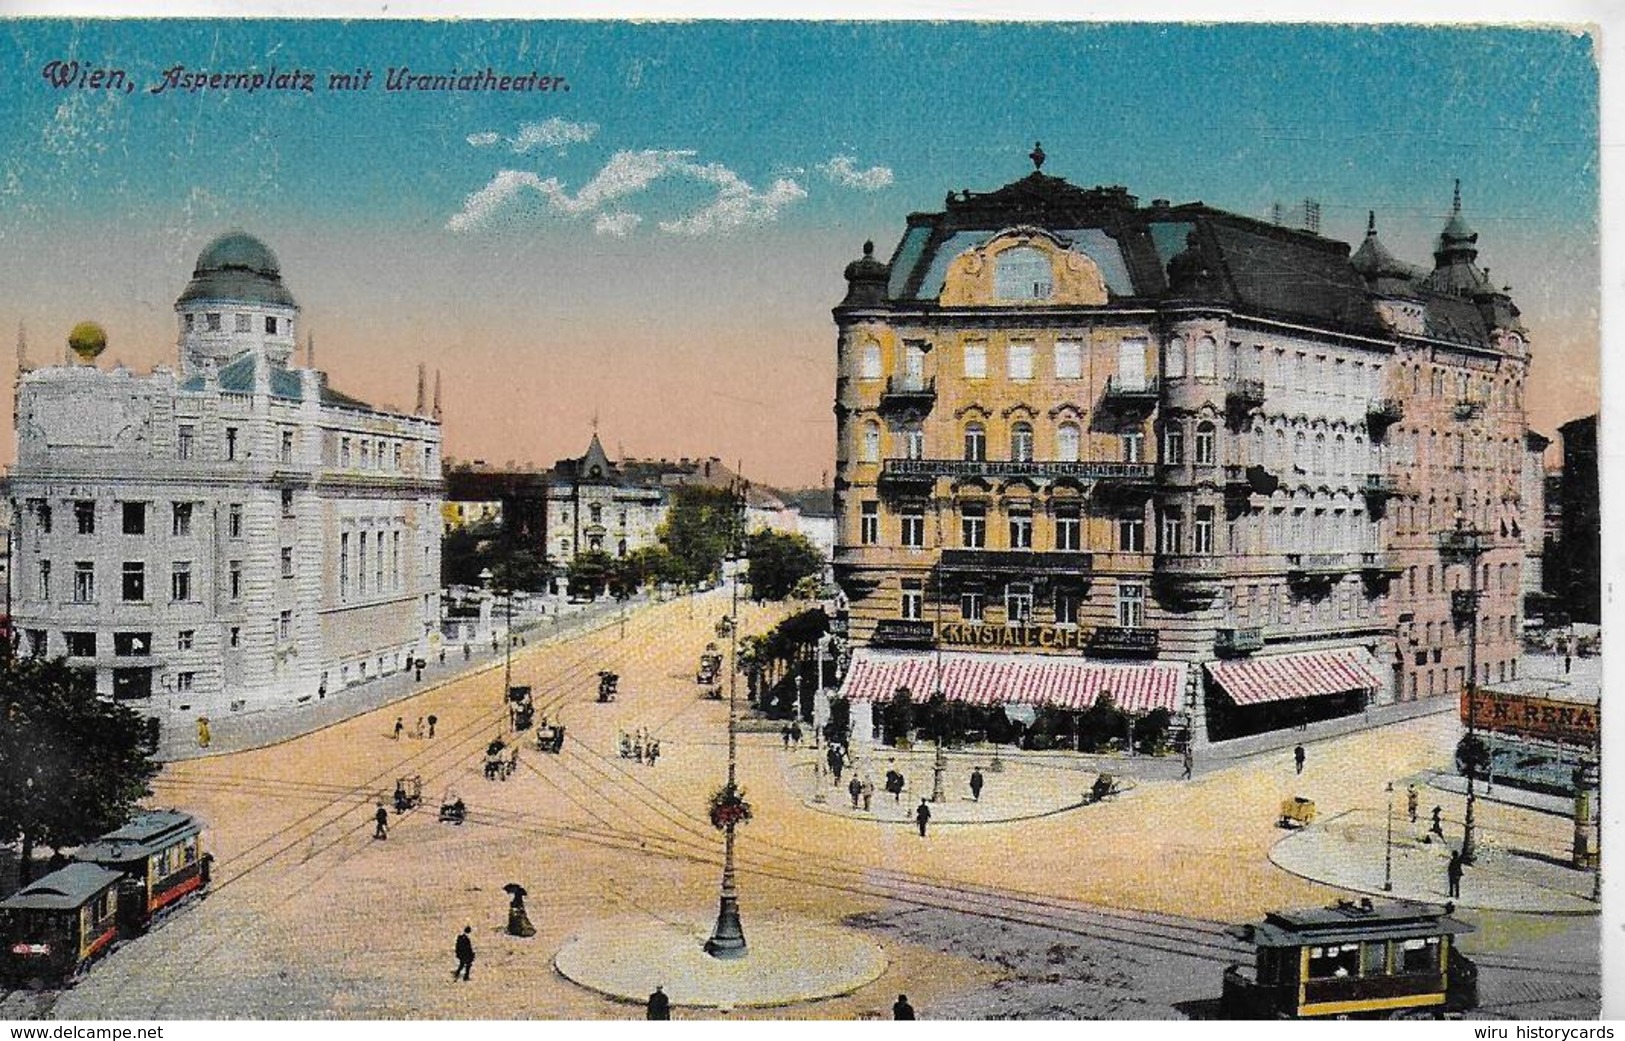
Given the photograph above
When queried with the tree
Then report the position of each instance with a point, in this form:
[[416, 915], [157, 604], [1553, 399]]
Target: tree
[[72, 765], [778, 561], [514, 567], [1472, 754], [467, 552], [702, 527], [589, 573]]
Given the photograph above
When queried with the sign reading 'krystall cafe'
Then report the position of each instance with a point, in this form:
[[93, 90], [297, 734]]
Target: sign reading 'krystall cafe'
[[1104, 639]]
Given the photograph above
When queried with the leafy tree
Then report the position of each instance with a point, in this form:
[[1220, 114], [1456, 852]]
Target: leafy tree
[[467, 552], [702, 526], [72, 766], [1472, 754], [521, 568], [589, 573], [778, 561]]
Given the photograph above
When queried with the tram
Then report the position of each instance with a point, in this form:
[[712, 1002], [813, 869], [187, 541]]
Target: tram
[[1393, 959], [161, 856]]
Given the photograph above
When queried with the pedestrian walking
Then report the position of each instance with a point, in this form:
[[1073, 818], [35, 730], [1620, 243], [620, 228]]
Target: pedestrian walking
[[901, 1009], [868, 793], [380, 823], [922, 817], [465, 953], [894, 784], [1411, 802], [1438, 822], [1297, 757], [442, 656], [203, 731], [467, 650], [854, 788], [400, 725], [432, 721], [1453, 873], [417, 731], [1189, 755], [637, 747], [976, 782], [785, 733], [795, 734], [836, 762], [1568, 662], [654, 752], [659, 1005]]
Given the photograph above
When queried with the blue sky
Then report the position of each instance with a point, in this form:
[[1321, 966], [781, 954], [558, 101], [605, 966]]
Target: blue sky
[[689, 202]]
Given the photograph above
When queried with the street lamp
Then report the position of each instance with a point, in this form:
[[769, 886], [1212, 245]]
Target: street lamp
[[939, 767], [1388, 846], [728, 936], [1465, 546]]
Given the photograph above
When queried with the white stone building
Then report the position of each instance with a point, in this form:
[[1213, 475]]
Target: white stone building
[[230, 536]]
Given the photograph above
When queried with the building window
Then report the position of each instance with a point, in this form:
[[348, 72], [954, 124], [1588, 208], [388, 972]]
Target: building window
[[184, 639], [235, 579], [244, 323], [84, 516], [84, 582], [180, 582], [184, 436], [181, 522], [361, 564], [190, 321], [1021, 525], [1068, 528], [973, 526], [1020, 360], [913, 442], [1204, 444], [231, 443], [284, 625], [287, 561], [1173, 530], [913, 599], [395, 558], [135, 518], [1133, 446], [970, 606], [287, 446], [234, 521], [270, 324], [1068, 443], [42, 514], [184, 681], [1066, 607], [366, 455], [869, 523], [135, 581], [1021, 443], [1022, 273], [81, 645], [235, 638], [1204, 529], [596, 511], [1068, 360], [211, 322], [378, 558], [1173, 364], [869, 367], [913, 520], [1018, 604], [287, 502], [36, 642], [871, 442], [975, 442], [344, 565], [1131, 605], [976, 360], [45, 580], [1131, 534], [344, 452], [1207, 358], [1173, 444]]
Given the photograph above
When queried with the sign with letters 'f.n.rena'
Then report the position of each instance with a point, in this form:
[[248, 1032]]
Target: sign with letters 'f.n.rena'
[[1531, 716]]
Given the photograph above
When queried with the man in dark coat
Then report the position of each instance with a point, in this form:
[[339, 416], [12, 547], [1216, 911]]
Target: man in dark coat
[[922, 817], [659, 1005], [1297, 757], [901, 1009], [381, 820], [976, 781], [1453, 873], [1438, 823], [854, 788], [465, 953]]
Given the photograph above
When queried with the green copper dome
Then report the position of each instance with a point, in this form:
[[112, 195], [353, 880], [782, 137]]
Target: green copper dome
[[237, 268]]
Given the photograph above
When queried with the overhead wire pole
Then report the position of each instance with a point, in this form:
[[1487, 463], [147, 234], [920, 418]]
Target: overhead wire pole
[[727, 938], [940, 766]]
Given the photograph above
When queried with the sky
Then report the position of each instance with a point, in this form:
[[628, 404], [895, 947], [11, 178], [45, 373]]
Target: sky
[[655, 243]]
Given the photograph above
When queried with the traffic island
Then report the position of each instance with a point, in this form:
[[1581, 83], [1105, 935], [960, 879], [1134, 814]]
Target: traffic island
[[786, 963]]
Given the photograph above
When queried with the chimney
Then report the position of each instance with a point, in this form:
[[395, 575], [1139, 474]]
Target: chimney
[[422, 378], [436, 414]]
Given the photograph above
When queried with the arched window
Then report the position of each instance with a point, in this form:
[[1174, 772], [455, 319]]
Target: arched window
[[871, 442], [1022, 273], [1340, 455], [870, 368], [1318, 464], [1207, 358], [1021, 442], [1173, 364], [1067, 442], [1300, 452], [1204, 443], [975, 442]]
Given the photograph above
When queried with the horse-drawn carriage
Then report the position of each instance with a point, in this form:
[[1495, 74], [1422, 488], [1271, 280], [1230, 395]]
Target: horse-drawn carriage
[[550, 738], [710, 665], [607, 684], [452, 810], [521, 709], [408, 793]]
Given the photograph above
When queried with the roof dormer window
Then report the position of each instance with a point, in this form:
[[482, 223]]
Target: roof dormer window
[[1023, 273]]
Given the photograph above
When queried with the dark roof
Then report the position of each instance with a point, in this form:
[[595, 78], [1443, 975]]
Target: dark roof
[[63, 889], [143, 836], [237, 268], [1347, 920], [237, 377]]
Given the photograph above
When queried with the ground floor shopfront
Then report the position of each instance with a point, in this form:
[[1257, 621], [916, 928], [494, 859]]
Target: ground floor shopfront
[[1060, 700]]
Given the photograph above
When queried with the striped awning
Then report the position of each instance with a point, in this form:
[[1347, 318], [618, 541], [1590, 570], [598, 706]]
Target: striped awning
[[1283, 677], [1011, 679]]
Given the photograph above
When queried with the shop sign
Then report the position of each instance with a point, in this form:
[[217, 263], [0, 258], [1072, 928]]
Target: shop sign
[[1528, 716], [1026, 637]]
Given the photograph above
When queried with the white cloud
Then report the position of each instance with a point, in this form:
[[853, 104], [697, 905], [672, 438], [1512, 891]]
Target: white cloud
[[618, 224], [843, 170], [484, 138], [479, 206], [626, 173], [737, 203], [554, 133]]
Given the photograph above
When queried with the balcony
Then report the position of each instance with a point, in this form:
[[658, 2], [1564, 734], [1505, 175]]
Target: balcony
[[1463, 544], [1249, 480], [909, 394], [1467, 408], [1383, 413], [1380, 487], [1239, 641], [1116, 641], [1463, 604], [1142, 393], [1244, 396], [926, 471], [1018, 562], [1313, 566], [1190, 567], [1380, 564]]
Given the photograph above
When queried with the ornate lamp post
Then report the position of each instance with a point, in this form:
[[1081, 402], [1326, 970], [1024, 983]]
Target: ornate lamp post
[[1388, 846], [1465, 545], [939, 766], [728, 935]]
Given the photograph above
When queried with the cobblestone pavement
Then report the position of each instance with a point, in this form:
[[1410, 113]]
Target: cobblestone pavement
[[310, 916]]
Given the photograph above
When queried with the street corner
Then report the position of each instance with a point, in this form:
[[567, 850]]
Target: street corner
[[1353, 851]]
